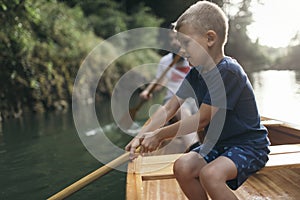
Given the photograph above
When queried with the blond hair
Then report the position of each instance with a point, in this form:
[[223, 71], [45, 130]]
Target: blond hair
[[204, 16]]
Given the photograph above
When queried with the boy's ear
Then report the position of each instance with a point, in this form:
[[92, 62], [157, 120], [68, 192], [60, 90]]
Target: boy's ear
[[211, 37]]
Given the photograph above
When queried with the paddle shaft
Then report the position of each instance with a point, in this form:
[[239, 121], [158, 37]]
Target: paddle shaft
[[175, 60], [90, 177]]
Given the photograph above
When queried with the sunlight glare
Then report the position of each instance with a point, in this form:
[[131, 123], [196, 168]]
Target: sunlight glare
[[277, 95], [275, 22]]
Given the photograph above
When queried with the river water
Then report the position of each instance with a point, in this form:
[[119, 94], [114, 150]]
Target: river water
[[42, 154]]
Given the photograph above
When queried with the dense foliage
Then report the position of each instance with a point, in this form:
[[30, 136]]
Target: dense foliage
[[43, 44]]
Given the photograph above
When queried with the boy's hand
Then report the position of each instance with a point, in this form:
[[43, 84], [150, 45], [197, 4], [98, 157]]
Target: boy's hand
[[132, 146], [150, 143], [147, 142]]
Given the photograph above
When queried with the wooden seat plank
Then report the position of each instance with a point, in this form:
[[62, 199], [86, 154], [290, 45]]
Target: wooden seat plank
[[157, 167], [283, 149], [287, 160]]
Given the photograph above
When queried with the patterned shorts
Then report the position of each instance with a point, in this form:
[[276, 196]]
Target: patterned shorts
[[247, 159]]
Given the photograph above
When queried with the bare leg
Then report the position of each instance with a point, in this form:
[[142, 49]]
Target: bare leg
[[214, 175], [186, 170]]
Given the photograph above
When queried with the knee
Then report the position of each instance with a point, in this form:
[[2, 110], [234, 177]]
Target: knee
[[183, 167], [209, 176], [180, 167]]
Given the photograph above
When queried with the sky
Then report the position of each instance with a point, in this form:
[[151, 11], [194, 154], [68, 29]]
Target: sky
[[275, 22]]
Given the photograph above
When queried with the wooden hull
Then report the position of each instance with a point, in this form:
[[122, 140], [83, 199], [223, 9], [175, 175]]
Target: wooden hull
[[151, 178], [281, 132]]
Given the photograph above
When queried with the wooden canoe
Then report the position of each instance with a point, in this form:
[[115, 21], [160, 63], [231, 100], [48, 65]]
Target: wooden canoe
[[151, 177]]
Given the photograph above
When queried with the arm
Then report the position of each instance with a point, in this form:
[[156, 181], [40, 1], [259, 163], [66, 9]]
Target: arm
[[157, 120], [185, 126]]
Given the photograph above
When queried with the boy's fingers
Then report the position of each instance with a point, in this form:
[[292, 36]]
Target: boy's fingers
[[133, 148]]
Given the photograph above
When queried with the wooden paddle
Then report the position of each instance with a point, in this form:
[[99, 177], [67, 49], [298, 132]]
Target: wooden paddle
[[125, 122], [91, 177]]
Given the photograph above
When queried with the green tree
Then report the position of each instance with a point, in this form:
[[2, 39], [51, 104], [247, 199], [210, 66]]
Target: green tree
[[42, 44], [111, 17]]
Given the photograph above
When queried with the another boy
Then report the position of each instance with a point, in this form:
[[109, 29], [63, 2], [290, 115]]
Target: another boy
[[235, 144]]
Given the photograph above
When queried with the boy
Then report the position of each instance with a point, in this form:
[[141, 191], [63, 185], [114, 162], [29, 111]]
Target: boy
[[235, 144]]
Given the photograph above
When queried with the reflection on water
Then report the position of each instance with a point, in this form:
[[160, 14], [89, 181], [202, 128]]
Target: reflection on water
[[278, 94]]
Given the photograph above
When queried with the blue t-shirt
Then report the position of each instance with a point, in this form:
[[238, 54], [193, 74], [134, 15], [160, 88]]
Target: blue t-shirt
[[227, 87]]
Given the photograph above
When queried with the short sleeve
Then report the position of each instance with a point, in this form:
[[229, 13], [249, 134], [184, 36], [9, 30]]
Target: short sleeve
[[186, 90], [225, 88]]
